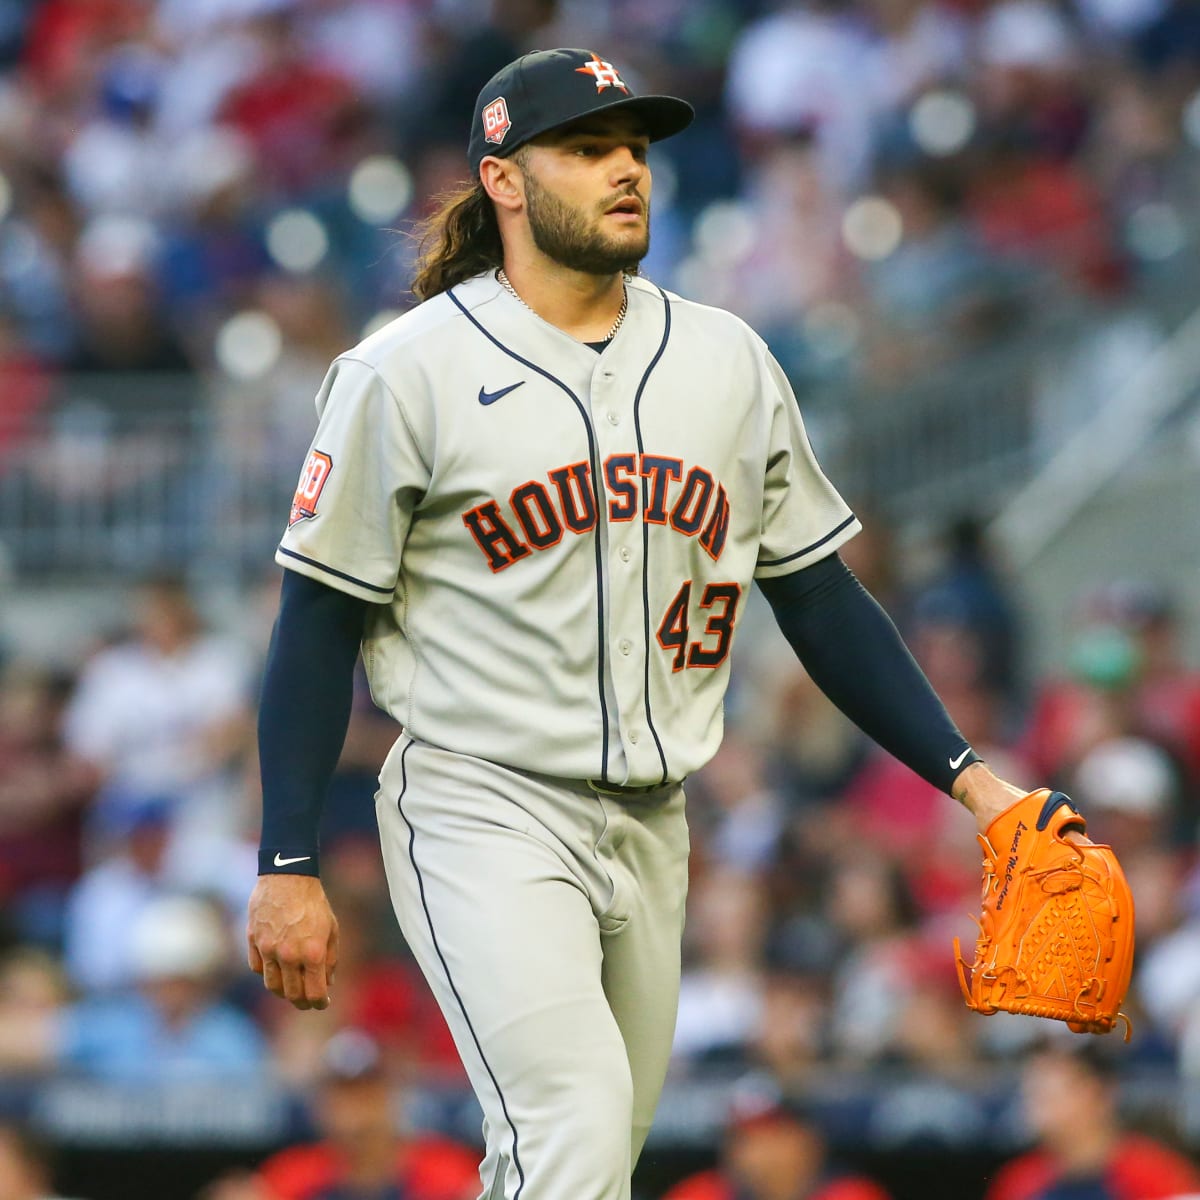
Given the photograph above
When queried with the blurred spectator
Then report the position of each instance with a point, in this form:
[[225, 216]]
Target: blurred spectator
[[789, 262], [919, 44], [1129, 680], [363, 1153], [935, 1034], [811, 751], [740, 816], [791, 1041], [376, 43], [301, 117], [111, 442], [25, 1166], [1070, 1102], [1169, 46], [1167, 970], [1168, 689], [1131, 151], [43, 790], [940, 294], [1095, 704], [25, 386], [1031, 78], [806, 68], [872, 909], [970, 590], [121, 327], [211, 51], [773, 1150], [104, 905], [1129, 790], [720, 995], [33, 990], [165, 714], [113, 165], [1044, 216], [212, 254], [37, 247], [172, 1028], [65, 37]]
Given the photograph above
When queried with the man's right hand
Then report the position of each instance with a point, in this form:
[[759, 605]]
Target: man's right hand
[[292, 937]]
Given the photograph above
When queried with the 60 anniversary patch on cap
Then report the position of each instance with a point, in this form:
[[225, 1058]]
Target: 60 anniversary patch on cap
[[541, 91]]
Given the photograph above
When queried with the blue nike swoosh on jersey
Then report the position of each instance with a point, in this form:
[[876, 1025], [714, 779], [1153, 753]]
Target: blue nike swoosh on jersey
[[491, 397]]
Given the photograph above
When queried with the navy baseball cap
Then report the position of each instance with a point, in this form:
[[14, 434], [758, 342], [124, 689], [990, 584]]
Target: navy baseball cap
[[548, 88]]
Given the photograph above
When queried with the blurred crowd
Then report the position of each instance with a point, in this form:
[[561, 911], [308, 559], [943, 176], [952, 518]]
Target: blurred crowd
[[213, 194], [827, 881], [879, 186]]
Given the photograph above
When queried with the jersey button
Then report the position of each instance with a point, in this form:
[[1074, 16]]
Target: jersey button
[[633, 736], [625, 645], [613, 419], [625, 553]]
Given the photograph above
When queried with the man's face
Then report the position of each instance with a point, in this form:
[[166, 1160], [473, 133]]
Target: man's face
[[587, 194], [774, 1158], [356, 1114], [1058, 1094]]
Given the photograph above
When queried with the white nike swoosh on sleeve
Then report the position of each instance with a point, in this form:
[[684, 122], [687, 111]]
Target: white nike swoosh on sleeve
[[287, 862]]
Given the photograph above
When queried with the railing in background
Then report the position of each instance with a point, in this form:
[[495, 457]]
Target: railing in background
[[1166, 380], [143, 473], [923, 1134]]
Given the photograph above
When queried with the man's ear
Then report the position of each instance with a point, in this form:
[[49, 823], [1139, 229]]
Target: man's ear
[[503, 182]]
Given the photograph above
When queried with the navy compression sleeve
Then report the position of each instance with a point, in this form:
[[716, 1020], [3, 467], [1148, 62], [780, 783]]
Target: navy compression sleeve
[[854, 654], [303, 714]]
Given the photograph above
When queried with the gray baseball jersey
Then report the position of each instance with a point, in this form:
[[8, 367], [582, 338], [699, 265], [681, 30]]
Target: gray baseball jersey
[[559, 542]]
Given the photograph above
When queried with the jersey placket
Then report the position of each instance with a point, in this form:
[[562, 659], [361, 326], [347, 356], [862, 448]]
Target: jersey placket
[[611, 401]]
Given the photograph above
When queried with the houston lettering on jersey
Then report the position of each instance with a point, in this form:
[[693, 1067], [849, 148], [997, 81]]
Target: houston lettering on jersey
[[538, 515]]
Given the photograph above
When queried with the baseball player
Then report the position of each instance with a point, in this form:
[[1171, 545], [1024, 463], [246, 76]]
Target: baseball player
[[538, 501]]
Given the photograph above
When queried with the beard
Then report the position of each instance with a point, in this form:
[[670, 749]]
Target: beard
[[559, 231]]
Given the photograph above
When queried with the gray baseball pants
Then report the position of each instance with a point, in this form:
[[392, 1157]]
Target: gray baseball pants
[[547, 918]]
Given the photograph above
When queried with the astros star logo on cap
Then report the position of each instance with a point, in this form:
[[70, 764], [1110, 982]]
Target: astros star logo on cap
[[538, 92], [603, 72]]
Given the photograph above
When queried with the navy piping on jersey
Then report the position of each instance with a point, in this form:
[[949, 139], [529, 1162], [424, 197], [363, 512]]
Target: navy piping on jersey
[[312, 562], [778, 562], [637, 426], [597, 500], [412, 857]]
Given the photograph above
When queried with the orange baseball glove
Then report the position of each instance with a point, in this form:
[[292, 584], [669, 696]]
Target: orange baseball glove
[[1056, 934]]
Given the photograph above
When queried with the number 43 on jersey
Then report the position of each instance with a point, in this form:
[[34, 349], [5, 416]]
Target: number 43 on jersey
[[720, 601]]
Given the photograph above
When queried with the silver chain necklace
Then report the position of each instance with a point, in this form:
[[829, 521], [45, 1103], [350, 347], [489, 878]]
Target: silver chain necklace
[[612, 333]]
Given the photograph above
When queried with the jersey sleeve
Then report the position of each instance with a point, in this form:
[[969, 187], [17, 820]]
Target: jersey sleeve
[[363, 476], [803, 518]]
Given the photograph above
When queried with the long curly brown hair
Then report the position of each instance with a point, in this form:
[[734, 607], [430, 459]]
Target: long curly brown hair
[[458, 239]]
